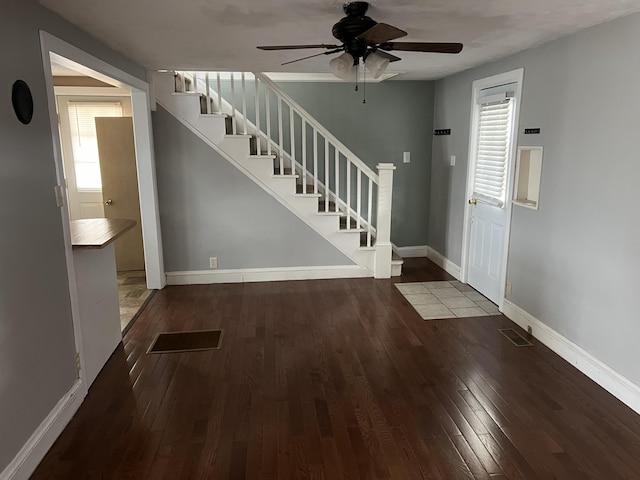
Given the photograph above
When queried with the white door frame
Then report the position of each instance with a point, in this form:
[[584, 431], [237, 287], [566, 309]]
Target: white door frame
[[141, 108], [86, 63], [515, 76]]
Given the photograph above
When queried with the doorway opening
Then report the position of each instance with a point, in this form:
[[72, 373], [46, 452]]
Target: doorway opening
[[99, 163], [492, 145]]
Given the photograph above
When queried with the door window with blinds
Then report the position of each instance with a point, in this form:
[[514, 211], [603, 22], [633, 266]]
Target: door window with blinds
[[495, 129], [84, 143]]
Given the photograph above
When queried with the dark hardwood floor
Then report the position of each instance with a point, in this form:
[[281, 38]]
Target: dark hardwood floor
[[339, 379]]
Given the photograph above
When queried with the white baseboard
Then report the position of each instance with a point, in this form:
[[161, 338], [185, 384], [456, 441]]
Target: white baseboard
[[443, 262], [620, 387], [201, 277], [32, 453], [411, 252]]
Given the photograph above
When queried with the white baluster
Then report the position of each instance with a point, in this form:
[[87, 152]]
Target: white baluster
[[337, 174], [315, 161], [358, 196], [233, 106], [194, 83], [382, 257], [326, 175], [219, 92], [244, 105], [369, 206], [267, 109], [292, 143], [348, 194], [206, 80], [257, 107], [280, 141], [304, 156]]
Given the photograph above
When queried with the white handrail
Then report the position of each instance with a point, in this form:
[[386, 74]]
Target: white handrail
[[352, 157]]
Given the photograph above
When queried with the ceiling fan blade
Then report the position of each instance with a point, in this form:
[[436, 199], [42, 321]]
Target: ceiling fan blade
[[422, 47], [311, 56], [388, 56], [295, 47], [381, 33]]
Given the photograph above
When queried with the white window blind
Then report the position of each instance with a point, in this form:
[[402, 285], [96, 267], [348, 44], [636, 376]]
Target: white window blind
[[84, 142], [494, 140]]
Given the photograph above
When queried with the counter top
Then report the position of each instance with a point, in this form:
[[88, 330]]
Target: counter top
[[95, 233]]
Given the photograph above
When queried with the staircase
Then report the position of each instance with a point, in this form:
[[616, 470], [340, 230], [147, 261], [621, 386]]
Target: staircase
[[252, 123]]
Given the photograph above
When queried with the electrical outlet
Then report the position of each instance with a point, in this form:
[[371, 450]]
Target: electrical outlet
[[213, 262], [507, 290]]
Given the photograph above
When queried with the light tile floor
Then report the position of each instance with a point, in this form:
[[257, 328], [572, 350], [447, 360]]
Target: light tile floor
[[132, 293], [438, 300]]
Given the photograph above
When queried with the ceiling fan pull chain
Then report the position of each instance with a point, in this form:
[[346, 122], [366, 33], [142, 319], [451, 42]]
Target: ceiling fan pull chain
[[364, 84]]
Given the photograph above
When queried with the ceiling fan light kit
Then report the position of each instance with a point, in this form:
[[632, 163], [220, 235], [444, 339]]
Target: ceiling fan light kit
[[364, 38], [344, 68], [376, 64]]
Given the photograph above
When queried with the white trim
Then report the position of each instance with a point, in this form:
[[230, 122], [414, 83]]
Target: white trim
[[90, 91], [514, 76], [443, 262], [85, 63], [321, 77], [64, 211], [411, 252], [620, 387], [34, 450], [242, 275]]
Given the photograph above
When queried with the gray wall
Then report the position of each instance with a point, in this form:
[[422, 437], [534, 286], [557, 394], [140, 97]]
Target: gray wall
[[396, 118], [208, 208], [574, 263], [36, 333]]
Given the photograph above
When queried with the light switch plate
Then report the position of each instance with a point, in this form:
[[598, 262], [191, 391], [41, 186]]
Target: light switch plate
[[406, 157], [452, 161]]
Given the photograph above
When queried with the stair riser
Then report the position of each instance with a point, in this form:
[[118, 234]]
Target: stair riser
[[261, 167], [284, 186], [237, 147]]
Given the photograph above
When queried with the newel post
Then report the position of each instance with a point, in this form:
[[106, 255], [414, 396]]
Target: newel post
[[382, 261]]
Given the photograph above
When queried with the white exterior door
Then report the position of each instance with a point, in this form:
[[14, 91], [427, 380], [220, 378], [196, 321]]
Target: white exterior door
[[487, 249], [488, 212]]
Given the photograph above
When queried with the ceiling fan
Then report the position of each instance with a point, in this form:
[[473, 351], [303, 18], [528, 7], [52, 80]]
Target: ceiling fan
[[364, 38]]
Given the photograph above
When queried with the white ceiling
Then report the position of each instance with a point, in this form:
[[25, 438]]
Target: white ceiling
[[222, 35]]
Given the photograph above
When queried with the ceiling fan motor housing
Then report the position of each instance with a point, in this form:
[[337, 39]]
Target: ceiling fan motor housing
[[350, 27]]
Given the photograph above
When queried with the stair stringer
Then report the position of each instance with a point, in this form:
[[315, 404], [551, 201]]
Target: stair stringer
[[259, 168]]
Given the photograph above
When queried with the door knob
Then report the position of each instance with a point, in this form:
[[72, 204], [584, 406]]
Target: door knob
[[108, 203], [473, 201]]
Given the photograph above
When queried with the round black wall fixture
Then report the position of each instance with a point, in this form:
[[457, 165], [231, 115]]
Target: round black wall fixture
[[22, 101]]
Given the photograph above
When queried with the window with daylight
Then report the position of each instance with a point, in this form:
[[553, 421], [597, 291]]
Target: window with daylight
[[84, 141], [494, 142]]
